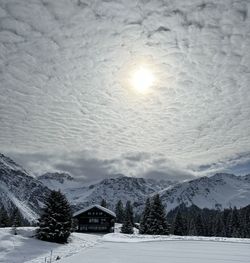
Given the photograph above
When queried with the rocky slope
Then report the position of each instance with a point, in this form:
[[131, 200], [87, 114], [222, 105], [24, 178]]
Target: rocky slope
[[19, 189], [219, 191], [112, 190]]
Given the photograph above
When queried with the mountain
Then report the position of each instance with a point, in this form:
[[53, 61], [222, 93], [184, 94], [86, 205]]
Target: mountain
[[218, 191], [56, 181], [112, 190], [19, 189]]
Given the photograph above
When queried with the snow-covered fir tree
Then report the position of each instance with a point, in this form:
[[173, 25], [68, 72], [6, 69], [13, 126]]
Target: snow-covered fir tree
[[119, 211], [56, 221], [127, 226], [145, 222], [158, 221]]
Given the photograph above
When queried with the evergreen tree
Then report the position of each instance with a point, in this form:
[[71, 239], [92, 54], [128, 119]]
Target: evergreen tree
[[192, 228], [226, 220], [4, 218], [16, 220], [146, 219], [246, 222], [129, 210], [158, 224], [234, 223], [218, 225], [179, 227], [104, 203], [119, 211], [127, 227], [56, 220], [209, 222], [199, 225]]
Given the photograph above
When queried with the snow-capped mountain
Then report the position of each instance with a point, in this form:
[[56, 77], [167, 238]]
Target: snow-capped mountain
[[112, 190], [19, 189], [218, 191], [58, 181]]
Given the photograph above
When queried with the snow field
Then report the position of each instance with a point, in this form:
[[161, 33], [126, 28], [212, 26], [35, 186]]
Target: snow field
[[121, 248], [170, 251], [25, 248]]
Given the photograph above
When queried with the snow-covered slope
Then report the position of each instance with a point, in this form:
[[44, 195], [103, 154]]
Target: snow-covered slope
[[58, 181], [19, 189], [219, 191], [112, 190]]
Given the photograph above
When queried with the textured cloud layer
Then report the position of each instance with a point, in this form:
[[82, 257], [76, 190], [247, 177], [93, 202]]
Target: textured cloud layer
[[64, 67]]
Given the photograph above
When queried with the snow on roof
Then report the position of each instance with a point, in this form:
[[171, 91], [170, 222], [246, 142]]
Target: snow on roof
[[104, 209]]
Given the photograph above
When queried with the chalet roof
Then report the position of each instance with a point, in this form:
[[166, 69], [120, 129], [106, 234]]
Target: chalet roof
[[104, 209]]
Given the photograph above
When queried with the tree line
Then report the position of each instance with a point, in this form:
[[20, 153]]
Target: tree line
[[153, 219], [55, 223], [13, 218], [183, 220], [231, 222]]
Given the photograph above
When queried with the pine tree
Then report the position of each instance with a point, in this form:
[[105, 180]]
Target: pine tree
[[104, 203], [192, 228], [234, 223], [16, 220], [146, 219], [246, 224], [56, 221], [158, 224], [4, 218], [129, 210], [127, 227], [119, 210], [226, 220], [179, 225], [199, 225], [218, 225]]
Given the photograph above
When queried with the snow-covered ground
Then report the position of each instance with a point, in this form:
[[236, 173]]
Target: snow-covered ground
[[24, 248], [170, 251], [119, 248]]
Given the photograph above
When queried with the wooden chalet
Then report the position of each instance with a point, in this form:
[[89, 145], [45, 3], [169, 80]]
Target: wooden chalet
[[95, 218]]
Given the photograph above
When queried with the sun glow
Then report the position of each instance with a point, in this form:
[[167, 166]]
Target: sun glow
[[142, 80]]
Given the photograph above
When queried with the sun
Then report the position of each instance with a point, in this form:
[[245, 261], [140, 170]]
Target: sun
[[142, 79]]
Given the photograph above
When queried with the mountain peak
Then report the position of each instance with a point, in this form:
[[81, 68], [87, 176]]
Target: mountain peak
[[57, 176], [7, 163]]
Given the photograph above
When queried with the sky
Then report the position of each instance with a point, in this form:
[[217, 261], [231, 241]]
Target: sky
[[67, 103]]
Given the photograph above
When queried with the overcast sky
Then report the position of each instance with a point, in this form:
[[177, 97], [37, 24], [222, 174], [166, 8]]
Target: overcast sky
[[65, 100]]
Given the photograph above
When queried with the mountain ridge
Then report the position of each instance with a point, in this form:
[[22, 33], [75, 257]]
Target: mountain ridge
[[19, 189]]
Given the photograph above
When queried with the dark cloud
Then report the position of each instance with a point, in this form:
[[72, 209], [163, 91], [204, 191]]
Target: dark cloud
[[80, 164]]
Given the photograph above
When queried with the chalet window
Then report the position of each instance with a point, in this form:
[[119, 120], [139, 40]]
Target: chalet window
[[83, 227], [93, 220]]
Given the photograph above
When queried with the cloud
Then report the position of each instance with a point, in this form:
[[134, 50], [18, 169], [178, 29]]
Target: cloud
[[81, 164], [64, 67]]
